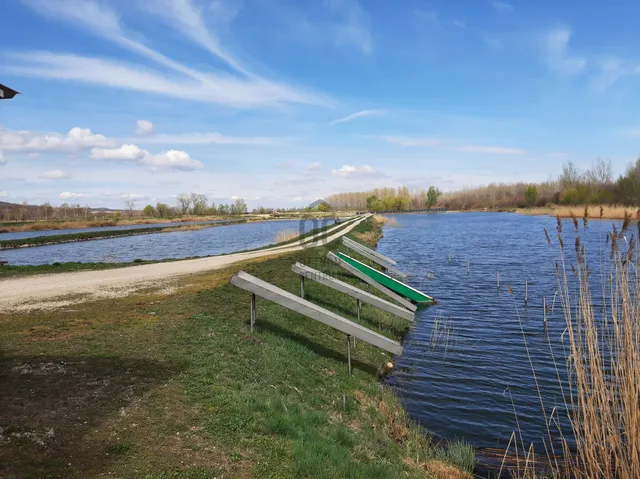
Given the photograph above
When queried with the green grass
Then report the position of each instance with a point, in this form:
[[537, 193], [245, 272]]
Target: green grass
[[176, 386]]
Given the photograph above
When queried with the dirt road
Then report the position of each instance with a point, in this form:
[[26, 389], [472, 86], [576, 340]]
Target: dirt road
[[48, 291]]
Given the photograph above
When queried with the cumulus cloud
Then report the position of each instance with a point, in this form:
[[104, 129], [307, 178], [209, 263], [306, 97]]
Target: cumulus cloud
[[3, 160], [145, 127], [349, 171], [67, 195], [55, 175], [76, 139], [123, 153], [173, 160]]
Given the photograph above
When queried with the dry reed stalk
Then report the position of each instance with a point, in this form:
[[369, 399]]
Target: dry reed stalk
[[601, 396]]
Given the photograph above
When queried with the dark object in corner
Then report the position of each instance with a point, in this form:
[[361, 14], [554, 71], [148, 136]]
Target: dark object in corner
[[7, 93]]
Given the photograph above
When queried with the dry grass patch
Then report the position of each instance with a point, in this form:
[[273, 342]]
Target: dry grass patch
[[616, 212]]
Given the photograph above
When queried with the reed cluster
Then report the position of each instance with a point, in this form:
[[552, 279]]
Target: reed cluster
[[601, 385]]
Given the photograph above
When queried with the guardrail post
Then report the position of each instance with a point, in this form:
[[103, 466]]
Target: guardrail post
[[349, 352], [302, 286], [253, 310]]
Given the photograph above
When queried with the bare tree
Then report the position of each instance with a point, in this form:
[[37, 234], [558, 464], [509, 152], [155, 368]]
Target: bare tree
[[199, 203], [240, 206], [130, 205], [570, 174], [184, 203], [601, 172]]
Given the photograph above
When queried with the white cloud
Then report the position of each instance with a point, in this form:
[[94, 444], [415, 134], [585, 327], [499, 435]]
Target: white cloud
[[198, 86], [55, 175], [187, 19], [502, 6], [3, 160], [4, 194], [352, 29], [76, 139], [406, 141], [170, 160], [145, 127], [216, 89], [498, 150], [173, 160], [213, 138], [556, 55], [314, 166], [432, 142], [349, 171], [459, 24], [123, 153], [67, 195], [610, 70], [359, 114]]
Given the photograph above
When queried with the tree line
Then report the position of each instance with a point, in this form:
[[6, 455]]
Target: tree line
[[195, 204], [574, 186], [385, 199]]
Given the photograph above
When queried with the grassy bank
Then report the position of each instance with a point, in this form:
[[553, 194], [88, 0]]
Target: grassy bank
[[42, 225], [159, 385]]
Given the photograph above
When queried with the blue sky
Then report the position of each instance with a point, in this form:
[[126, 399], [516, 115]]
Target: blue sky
[[281, 101]]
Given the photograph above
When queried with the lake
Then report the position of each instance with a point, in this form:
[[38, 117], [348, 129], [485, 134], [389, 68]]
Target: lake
[[156, 246], [465, 360]]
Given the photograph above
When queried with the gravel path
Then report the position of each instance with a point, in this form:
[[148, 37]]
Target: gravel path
[[46, 291]]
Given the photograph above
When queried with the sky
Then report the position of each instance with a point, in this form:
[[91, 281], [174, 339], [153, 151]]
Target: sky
[[281, 102]]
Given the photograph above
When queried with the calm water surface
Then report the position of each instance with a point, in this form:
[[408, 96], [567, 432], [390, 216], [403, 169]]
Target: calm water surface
[[179, 244], [465, 358]]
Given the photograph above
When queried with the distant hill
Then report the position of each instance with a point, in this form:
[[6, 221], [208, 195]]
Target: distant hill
[[6, 204]]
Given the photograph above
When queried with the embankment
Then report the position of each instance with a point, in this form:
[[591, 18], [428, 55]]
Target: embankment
[[169, 382]]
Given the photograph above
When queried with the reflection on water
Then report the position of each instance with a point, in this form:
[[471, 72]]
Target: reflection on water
[[465, 367], [178, 244]]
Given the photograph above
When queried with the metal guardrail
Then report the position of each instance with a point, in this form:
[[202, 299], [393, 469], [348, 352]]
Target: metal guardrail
[[368, 253], [257, 287], [396, 297], [360, 295], [384, 258]]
